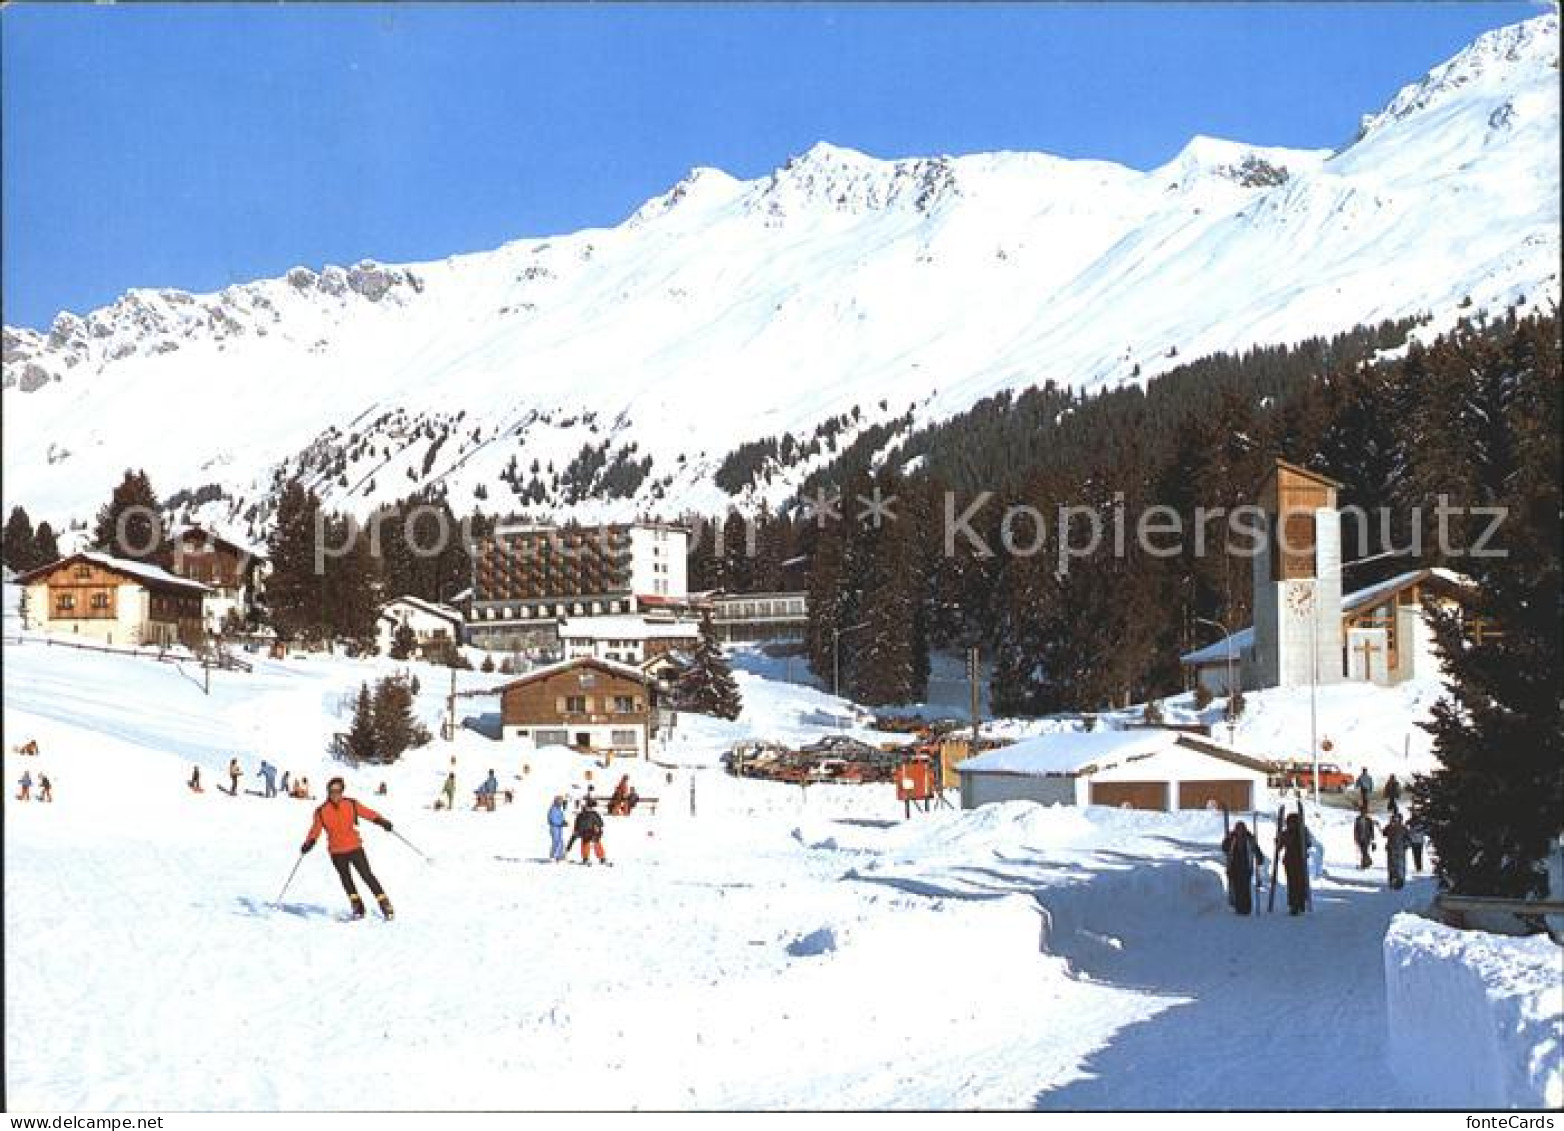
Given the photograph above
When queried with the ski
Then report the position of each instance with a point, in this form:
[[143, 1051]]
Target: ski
[[1259, 873], [1276, 857], [1227, 831], [1308, 883]]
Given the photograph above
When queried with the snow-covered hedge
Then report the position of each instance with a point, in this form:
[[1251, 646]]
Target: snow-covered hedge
[[1475, 1019]]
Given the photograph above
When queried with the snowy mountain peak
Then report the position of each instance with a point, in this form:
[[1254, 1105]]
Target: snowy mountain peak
[[701, 187], [1495, 59], [845, 180], [1206, 159]]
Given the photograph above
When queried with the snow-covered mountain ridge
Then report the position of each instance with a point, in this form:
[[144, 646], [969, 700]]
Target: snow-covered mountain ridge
[[609, 371]]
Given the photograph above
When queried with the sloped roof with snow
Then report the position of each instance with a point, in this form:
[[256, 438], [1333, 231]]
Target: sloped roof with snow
[[444, 612], [141, 571], [1072, 753], [547, 670], [1229, 647]]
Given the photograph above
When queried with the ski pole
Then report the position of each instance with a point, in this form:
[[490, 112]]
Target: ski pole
[[289, 882], [411, 845]]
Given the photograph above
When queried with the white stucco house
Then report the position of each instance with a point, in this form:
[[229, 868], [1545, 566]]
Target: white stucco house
[[625, 639], [431, 623]]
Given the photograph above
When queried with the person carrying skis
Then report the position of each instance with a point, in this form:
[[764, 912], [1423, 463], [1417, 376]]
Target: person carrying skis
[[1295, 862], [589, 831], [1363, 831], [556, 830], [1365, 786], [1397, 842], [337, 817], [26, 783], [1243, 859], [1392, 792], [448, 790], [234, 774], [268, 774]]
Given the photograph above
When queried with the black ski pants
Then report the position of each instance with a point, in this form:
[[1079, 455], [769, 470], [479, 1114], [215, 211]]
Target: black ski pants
[[356, 859]]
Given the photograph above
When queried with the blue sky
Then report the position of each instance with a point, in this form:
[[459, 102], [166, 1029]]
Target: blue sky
[[195, 146]]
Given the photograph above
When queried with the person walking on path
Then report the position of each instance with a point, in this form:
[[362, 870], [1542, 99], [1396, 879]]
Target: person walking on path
[[1363, 832], [1244, 858], [268, 774], [1392, 792], [1416, 838], [1295, 862], [448, 791], [1365, 786], [234, 774], [1397, 842], [589, 830], [556, 830], [337, 817]]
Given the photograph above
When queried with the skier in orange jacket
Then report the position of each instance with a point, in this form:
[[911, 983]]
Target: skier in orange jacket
[[338, 818]]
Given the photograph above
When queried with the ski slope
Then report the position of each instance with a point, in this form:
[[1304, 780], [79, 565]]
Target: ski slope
[[772, 948]]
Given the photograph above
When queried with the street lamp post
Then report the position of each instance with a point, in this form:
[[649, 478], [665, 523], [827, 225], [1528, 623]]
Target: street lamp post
[[836, 654], [1227, 637]]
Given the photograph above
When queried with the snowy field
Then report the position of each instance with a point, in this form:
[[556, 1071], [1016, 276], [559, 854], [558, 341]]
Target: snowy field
[[770, 948]]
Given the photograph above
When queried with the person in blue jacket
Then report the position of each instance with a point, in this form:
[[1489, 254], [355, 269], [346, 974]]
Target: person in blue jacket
[[556, 830], [268, 774]]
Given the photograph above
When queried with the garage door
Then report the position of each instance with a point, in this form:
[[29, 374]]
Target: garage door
[[1236, 796], [1131, 794]]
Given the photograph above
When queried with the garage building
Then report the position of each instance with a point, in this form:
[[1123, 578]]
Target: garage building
[[1135, 769]]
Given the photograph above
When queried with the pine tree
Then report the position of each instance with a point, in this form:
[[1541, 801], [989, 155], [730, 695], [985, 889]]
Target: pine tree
[[45, 549], [396, 726], [128, 525], [294, 591], [707, 685], [20, 550], [1496, 803], [404, 641], [362, 740]]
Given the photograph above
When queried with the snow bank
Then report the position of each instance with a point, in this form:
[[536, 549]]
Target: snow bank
[[1475, 1019]]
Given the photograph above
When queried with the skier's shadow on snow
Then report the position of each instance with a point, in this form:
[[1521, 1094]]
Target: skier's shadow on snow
[[260, 908]]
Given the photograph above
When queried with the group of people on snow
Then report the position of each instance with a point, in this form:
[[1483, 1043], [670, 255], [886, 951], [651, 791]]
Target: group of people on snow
[[1401, 837], [25, 787], [298, 788], [26, 782]]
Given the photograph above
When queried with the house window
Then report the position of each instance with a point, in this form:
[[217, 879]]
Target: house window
[[575, 704], [550, 738], [83, 570], [622, 738], [624, 704], [65, 603], [100, 600]]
